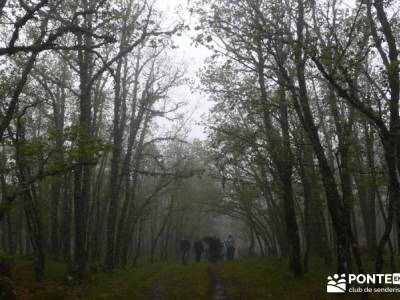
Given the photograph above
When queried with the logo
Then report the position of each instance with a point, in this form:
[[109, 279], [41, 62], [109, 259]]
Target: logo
[[363, 283], [336, 284]]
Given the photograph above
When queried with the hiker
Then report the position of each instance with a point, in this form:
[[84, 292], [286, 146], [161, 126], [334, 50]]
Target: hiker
[[230, 247], [184, 248], [215, 249], [223, 254], [206, 244], [198, 249]]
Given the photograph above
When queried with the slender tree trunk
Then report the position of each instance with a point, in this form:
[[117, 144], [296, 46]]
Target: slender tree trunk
[[286, 179], [66, 221], [82, 172], [114, 173]]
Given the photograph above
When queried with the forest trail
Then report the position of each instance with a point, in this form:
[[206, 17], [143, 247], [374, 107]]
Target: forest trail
[[217, 288], [160, 290]]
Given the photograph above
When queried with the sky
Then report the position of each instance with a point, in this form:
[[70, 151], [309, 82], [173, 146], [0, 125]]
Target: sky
[[197, 104]]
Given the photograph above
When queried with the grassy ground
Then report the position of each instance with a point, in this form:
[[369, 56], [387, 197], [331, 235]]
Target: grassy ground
[[243, 280], [261, 280], [182, 282]]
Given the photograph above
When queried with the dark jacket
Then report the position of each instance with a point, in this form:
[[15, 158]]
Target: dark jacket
[[184, 246], [198, 246]]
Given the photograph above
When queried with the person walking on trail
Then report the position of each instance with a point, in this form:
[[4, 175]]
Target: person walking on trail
[[215, 249], [184, 248], [206, 245], [198, 249], [230, 247], [223, 254]]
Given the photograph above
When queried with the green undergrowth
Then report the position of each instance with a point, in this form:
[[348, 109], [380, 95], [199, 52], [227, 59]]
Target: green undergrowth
[[182, 282], [243, 280], [271, 279], [125, 284], [187, 282]]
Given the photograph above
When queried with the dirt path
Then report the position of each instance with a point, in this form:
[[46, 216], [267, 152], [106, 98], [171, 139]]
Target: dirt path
[[217, 288], [160, 290]]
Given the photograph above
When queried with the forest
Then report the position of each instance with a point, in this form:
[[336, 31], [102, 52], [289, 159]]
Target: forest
[[294, 177]]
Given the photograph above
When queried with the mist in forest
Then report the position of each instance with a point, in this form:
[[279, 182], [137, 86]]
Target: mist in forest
[[195, 149]]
